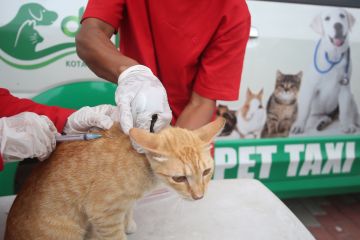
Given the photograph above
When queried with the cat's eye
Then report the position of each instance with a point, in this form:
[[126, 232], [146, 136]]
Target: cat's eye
[[179, 179], [206, 172]]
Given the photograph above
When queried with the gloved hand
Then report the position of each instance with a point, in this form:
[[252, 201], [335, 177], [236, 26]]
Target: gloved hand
[[26, 135], [140, 95], [101, 116]]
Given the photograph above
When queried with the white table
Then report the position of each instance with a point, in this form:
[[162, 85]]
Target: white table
[[231, 210], [5, 204]]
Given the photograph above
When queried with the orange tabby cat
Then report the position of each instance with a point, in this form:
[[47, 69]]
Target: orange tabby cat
[[87, 189]]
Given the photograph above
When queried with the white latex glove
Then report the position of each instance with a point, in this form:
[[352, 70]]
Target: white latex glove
[[26, 135], [140, 95], [102, 116]]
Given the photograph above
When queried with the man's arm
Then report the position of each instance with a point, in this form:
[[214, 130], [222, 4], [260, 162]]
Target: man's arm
[[197, 113], [95, 48], [220, 66], [136, 83]]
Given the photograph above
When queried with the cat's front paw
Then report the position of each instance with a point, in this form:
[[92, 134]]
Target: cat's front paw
[[297, 128], [131, 227]]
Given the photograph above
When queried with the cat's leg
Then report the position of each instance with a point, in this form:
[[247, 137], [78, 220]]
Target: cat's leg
[[264, 132], [257, 134], [108, 225], [59, 227], [271, 125], [130, 224], [252, 135], [106, 230], [284, 127]]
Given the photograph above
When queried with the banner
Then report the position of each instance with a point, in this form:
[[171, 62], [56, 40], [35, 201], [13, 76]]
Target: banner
[[296, 124], [300, 75], [293, 166]]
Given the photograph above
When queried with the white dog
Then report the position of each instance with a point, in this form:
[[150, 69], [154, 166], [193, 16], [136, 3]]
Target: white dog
[[325, 90]]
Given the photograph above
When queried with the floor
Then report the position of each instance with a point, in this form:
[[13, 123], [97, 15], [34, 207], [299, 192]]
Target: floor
[[329, 218]]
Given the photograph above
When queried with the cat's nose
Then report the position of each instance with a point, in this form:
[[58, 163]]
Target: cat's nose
[[197, 197]]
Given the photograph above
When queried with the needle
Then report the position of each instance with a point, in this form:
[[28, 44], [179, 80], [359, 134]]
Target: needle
[[77, 137]]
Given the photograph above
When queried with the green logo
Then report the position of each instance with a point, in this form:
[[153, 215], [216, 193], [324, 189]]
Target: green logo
[[71, 20], [20, 37]]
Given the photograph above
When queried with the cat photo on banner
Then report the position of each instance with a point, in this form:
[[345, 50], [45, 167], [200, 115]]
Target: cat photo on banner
[[247, 121], [282, 105]]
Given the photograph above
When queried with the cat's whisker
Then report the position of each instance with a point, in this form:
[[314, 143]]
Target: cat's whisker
[[180, 212], [176, 205]]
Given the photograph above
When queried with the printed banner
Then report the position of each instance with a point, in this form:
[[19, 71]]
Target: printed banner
[[300, 75], [293, 158], [292, 166], [37, 47]]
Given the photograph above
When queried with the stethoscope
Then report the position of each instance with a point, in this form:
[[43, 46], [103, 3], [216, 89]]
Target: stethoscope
[[345, 80]]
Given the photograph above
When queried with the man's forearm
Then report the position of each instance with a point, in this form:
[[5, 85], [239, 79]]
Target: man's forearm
[[95, 48], [197, 113]]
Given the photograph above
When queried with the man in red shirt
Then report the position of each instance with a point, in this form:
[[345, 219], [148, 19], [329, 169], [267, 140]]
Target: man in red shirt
[[195, 48], [28, 129]]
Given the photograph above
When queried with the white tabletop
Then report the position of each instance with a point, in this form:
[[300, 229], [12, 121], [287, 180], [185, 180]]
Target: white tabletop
[[230, 210]]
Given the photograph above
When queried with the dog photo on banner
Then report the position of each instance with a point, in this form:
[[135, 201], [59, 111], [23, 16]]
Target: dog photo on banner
[[317, 100]]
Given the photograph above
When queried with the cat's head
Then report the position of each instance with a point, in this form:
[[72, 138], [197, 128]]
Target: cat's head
[[181, 158], [28, 36], [230, 117], [287, 87], [253, 103]]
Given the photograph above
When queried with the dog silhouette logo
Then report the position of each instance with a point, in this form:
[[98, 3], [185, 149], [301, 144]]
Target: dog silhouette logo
[[19, 37]]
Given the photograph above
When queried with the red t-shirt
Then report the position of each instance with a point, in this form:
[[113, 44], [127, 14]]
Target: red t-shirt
[[10, 106], [190, 45]]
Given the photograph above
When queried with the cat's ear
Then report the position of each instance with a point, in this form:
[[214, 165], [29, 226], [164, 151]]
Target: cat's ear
[[300, 74], [278, 74], [148, 141], [208, 132], [261, 92], [248, 92]]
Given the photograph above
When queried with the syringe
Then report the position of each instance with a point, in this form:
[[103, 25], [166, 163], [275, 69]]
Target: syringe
[[77, 137]]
